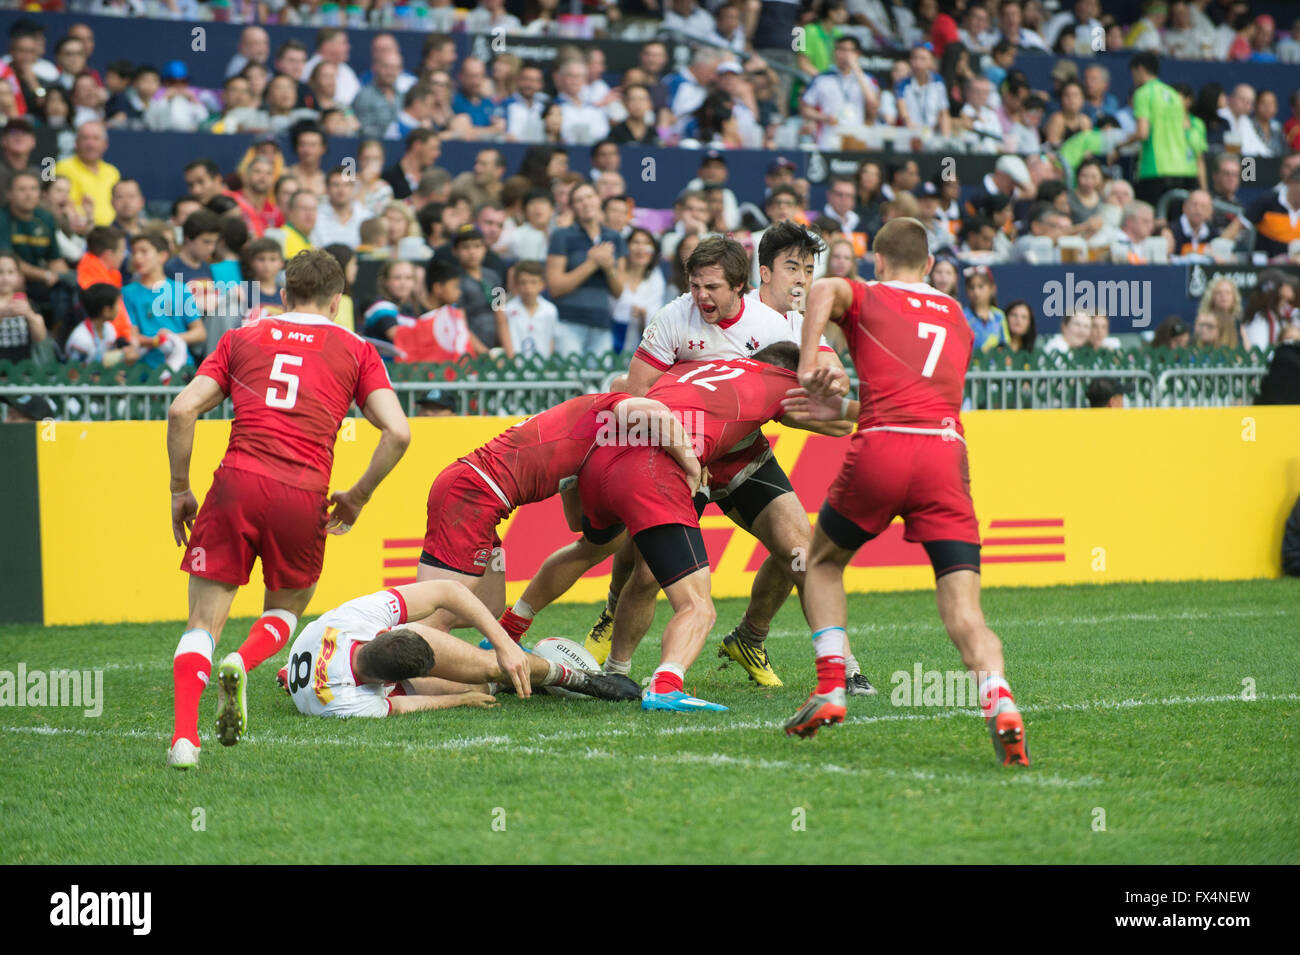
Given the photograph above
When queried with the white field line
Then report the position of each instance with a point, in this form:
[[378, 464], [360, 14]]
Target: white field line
[[537, 744]]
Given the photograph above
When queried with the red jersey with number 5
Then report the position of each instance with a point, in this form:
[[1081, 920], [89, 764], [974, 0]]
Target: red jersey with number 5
[[292, 378], [911, 346], [722, 402]]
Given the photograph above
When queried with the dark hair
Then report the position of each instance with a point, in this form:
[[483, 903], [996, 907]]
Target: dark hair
[[1147, 60], [301, 129], [782, 354], [430, 215], [397, 655], [220, 205], [417, 136], [1050, 189], [441, 270], [537, 159], [201, 222], [534, 194], [785, 236], [338, 172], [158, 240], [1031, 335], [529, 267], [102, 238], [416, 93], [176, 203], [726, 253], [99, 298], [252, 250], [65, 40], [1167, 331], [654, 243], [973, 224], [234, 233], [604, 203], [342, 255], [123, 68], [207, 165], [312, 277], [1090, 161], [782, 190], [288, 45]]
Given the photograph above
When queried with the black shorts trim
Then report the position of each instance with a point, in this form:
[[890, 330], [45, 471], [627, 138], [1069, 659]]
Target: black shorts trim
[[600, 535], [672, 551], [701, 501], [948, 556], [751, 496], [843, 533], [431, 561]]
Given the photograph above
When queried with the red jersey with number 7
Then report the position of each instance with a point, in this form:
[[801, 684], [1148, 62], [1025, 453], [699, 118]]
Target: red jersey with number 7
[[911, 346], [724, 401], [292, 378]]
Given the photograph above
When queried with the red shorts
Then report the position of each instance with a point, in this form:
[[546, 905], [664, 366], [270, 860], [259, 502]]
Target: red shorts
[[725, 469], [461, 533], [636, 487], [247, 515], [922, 477]]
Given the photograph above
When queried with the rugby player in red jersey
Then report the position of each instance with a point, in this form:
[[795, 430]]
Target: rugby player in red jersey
[[911, 346], [292, 378], [640, 488]]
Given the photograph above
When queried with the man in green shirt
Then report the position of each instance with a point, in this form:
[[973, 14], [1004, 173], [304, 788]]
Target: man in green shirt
[[1167, 160], [28, 231]]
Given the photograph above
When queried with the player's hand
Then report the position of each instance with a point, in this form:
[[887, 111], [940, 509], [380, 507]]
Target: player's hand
[[184, 509], [694, 474], [346, 510], [514, 663], [825, 381], [475, 698], [800, 404]]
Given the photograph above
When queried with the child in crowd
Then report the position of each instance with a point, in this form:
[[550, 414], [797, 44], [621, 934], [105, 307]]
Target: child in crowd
[[21, 326], [441, 333], [162, 309], [95, 340], [396, 303], [532, 318], [261, 262], [985, 319]]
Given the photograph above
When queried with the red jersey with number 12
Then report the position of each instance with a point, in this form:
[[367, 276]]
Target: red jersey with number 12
[[525, 463], [911, 346], [292, 379], [723, 402]]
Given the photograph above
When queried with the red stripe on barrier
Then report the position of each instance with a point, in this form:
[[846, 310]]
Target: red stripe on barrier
[[402, 562], [1049, 522], [1023, 540], [1023, 559], [397, 581]]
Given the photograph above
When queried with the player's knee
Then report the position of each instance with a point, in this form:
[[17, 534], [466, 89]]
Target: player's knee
[[963, 621]]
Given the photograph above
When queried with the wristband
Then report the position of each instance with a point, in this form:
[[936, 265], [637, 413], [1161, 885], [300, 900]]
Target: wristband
[[844, 406]]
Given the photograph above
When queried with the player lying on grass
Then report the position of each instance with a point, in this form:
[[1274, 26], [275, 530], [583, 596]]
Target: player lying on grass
[[643, 490], [371, 657], [718, 320], [911, 346], [292, 378], [526, 463]]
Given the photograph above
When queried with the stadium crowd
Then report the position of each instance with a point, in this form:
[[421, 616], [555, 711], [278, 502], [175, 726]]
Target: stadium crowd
[[544, 260]]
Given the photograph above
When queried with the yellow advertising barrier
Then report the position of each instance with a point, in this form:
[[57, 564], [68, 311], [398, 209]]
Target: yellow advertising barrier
[[1086, 496]]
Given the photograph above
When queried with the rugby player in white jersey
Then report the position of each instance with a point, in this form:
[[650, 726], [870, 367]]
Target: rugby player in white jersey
[[715, 320]]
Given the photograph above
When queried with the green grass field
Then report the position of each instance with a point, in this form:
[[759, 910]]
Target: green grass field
[[1133, 696]]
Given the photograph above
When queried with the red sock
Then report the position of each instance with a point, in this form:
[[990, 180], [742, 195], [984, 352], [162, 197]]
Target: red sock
[[666, 681], [830, 673], [515, 625], [191, 668], [992, 693], [267, 637]]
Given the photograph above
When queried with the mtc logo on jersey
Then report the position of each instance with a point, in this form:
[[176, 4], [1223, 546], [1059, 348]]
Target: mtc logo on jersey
[[928, 303], [278, 335]]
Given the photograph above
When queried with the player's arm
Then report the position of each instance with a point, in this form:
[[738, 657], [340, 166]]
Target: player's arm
[[427, 596], [384, 411], [641, 376], [200, 396], [829, 298], [572, 504], [673, 436], [416, 704]]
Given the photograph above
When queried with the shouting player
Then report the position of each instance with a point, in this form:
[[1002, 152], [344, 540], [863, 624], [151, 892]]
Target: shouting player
[[911, 346], [292, 378], [717, 320], [640, 488], [366, 658]]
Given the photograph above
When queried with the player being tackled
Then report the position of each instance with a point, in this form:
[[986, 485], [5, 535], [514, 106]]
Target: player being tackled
[[911, 346]]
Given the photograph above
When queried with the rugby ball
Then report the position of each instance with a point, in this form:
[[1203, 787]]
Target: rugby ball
[[570, 654]]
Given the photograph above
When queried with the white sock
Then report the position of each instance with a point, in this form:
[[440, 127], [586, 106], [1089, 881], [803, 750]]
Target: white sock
[[618, 667], [830, 642], [521, 609], [990, 704]]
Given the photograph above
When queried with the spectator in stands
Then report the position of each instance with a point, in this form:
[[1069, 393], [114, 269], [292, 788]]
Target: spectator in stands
[[422, 150], [323, 81], [396, 301], [841, 95], [1281, 386], [95, 340], [89, 176], [373, 191], [483, 182], [280, 109], [943, 276], [1192, 230], [339, 218], [378, 102], [688, 19], [1136, 226], [1275, 217], [300, 221], [986, 320], [1085, 198], [643, 293], [308, 142], [238, 111], [690, 217], [1022, 330], [531, 239], [17, 143], [1098, 100], [1070, 118], [585, 265], [1172, 334], [922, 96], [178, 106], [258, 77], [1082, 22], [531, 317], [254, 47], [1272, 308], [1012, 29], [29, 72], [580, 123], [978, 118], [490, 16], [332, 45], [481, 290], [841, 260], [128, 207], [193, 260], [21, 326], [1267, 126], [291, 62], [1105, 393], [1187, 38], [1100, 337], [1074, 334], [162, 310], [254, 197], [522, 110], [102, 263], [1241, 130], [203, 179], [1145, 34], [1288, 48], [442, 333], [688, 87], [475, 113]]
